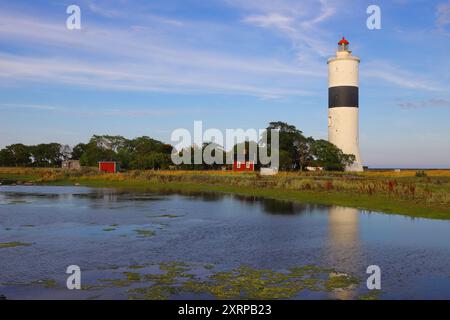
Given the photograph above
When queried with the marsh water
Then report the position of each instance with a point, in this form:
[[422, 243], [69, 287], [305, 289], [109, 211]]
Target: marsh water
[[125, 242]]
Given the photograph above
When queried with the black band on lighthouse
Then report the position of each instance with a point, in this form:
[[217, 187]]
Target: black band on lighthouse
[[343, 96]]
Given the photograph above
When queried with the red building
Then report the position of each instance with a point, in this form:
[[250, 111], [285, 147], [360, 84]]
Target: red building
[[108, 166], [243, 166]]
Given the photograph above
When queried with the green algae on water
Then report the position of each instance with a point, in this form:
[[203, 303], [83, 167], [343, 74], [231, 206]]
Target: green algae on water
[[145, 233], [240, 283], [47, 283], [136, 266], [172, 216], [14, 244], [372, 295]]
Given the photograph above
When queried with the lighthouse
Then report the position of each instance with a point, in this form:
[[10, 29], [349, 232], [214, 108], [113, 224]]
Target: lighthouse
[[343, 106]]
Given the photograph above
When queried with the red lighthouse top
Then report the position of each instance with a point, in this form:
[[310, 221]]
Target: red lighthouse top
[[343, 42]]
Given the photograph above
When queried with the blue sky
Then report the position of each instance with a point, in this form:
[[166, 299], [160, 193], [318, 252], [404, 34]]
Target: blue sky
[[149, 67]]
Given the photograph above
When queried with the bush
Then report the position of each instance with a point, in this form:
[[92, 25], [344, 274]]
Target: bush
[[421, 174]]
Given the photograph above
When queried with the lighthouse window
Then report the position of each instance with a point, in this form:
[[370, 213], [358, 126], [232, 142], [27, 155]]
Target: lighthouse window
[[330, 121]]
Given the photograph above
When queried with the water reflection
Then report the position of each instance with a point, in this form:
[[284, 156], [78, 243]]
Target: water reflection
[[343, 241], [343, 226], [109, 198], [97, 227]]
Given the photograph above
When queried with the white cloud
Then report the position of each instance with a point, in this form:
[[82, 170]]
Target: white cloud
[[402, 81], [327, 10], [443, 13], [297, 20], [270, 20], [122, 59], [103, 11], [429, 103], [134, 77], [101, 111], [27, 106], [383, 70], [142, 58]]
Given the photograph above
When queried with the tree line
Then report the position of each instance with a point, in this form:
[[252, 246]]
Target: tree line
[[296, 152]]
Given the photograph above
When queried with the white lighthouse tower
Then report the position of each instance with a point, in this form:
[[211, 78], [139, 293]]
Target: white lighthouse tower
[[343, 112]]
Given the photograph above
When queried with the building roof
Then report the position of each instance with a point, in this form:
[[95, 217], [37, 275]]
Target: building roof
[[343, 41]]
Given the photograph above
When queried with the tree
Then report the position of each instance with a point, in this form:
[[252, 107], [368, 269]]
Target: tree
[[327, 155], [285, 160], [6, 158], [152, 160], [18, 155], [303, 146], [78, 151], [139, 153], [294, 147], [107, 142], [145, 153], [94, 153], [46, 155], [146, 144]]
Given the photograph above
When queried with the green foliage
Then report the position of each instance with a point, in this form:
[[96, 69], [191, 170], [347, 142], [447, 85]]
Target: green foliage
[[41, 155], [151, 160], [327, 155], [421, 174], [46, 155], [78, 151], [144, 153], [291, 144], [6, 158], [211, 150], [94, 152], [297, 151], [139, 153], [16, 155], [286, 161]]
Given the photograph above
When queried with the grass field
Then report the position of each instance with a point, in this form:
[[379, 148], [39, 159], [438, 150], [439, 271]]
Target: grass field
[[425, 195]]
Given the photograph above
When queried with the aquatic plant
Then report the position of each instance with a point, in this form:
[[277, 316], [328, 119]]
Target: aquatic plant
[[371, 295], [240, 283], [136, 266], [14, 244], [145, 233], [47, 283]]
